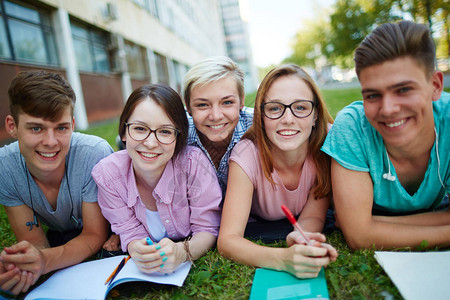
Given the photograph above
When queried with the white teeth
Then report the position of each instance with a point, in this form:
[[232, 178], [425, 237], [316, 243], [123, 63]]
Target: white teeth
[[149, 155], [217, 126], [49, 155], [392, 125], [288, 132]]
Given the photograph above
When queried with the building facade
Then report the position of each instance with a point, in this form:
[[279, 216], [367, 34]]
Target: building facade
[[106, 48], [238, 42]]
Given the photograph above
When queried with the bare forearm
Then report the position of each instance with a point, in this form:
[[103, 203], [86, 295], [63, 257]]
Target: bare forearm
[[311, 224], [201, 243], [246, 252], [73, 252], [381, 234], [439, 218]]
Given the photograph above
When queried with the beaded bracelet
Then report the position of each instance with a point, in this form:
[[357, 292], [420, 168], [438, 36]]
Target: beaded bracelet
[[189, 256]]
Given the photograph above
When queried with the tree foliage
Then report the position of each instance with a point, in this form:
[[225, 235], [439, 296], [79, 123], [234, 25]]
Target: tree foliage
[[305, 52], [351, 20]]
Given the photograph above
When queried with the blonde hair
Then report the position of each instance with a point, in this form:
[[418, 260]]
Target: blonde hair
[[209, 70], [257, 134]]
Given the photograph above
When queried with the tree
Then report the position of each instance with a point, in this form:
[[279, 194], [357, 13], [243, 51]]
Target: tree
[[432, 12], [350, 22], [307, 43]]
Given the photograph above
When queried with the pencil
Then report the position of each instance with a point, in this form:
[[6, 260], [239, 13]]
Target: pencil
[[117, 269]]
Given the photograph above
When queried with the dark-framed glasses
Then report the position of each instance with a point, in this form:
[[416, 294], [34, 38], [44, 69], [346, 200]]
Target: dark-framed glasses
[[299, 108], [139, 132]]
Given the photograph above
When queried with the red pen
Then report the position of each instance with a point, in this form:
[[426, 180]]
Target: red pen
[[294, 223]]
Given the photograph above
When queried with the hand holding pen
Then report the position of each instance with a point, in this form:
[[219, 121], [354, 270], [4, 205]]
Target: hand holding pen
[[310, 238], [149, 257]]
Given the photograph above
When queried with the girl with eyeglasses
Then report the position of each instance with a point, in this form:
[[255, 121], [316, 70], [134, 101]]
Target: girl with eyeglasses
[[279, 162], [159, 187]]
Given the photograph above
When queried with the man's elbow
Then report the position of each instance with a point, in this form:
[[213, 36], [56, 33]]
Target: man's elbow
[[358, 240], [356, 244]]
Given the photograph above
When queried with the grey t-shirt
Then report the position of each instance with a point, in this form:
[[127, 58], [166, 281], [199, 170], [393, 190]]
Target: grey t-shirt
[[16, 183]]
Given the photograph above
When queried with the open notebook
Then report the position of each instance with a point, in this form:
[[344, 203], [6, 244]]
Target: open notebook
[[87, 280]]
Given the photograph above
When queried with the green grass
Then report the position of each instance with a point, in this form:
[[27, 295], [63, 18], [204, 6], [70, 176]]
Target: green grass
[[338, 99], [107, 130], [355, 274]]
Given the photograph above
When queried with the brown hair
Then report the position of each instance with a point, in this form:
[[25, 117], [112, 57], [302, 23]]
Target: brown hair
[[393, 40], [257, 134], [170, 102], [40, 94]]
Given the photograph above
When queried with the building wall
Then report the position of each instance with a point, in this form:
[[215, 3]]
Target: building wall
[[166, 37], [102, 96], [139, 26], [238, 42]]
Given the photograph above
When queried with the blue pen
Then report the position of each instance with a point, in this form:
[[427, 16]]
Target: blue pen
[[150, 242]]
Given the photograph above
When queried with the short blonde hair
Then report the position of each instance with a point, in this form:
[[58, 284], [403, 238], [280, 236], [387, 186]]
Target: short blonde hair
[[209, 70]]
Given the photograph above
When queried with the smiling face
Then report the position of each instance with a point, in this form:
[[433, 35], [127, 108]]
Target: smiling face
[[44, 144], [215, 108], [398, 100], [149, 155], [289, 133]]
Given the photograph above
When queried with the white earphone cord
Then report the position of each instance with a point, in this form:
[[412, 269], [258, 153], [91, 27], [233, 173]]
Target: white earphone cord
[[390, 177], [438, 161]]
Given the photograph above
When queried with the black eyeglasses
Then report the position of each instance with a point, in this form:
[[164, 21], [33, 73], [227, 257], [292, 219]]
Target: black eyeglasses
[[275, 110], [164, 135]]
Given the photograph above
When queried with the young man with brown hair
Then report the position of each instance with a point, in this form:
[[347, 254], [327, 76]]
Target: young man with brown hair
[[391, 154], [45, 176]]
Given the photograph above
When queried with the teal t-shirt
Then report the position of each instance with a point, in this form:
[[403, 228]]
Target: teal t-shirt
[[357, 146]]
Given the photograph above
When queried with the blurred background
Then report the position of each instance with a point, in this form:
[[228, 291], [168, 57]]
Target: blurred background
[[107, 48]]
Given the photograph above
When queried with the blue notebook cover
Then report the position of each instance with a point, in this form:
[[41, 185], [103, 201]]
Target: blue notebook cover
[[271, 285]]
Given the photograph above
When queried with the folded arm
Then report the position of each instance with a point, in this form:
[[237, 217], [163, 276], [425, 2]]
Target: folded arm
[[33, 253], [300, 260], [353, 200]]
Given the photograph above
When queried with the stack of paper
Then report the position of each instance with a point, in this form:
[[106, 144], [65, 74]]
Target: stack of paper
[[418, 275]]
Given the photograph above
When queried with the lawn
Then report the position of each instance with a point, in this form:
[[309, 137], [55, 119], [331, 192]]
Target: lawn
[[355, 274]]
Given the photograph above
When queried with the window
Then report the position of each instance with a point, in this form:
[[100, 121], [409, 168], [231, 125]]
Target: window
[[91, 48], [26, 34], [136, 61], [180, 71], [161, 67]]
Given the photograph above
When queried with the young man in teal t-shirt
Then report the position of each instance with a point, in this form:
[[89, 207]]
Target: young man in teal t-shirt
[[391, 154]]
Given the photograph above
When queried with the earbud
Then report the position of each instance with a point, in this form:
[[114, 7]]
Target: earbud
[[388, 176]]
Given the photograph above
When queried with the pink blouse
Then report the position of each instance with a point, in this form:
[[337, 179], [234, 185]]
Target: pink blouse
[[187, 196]]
